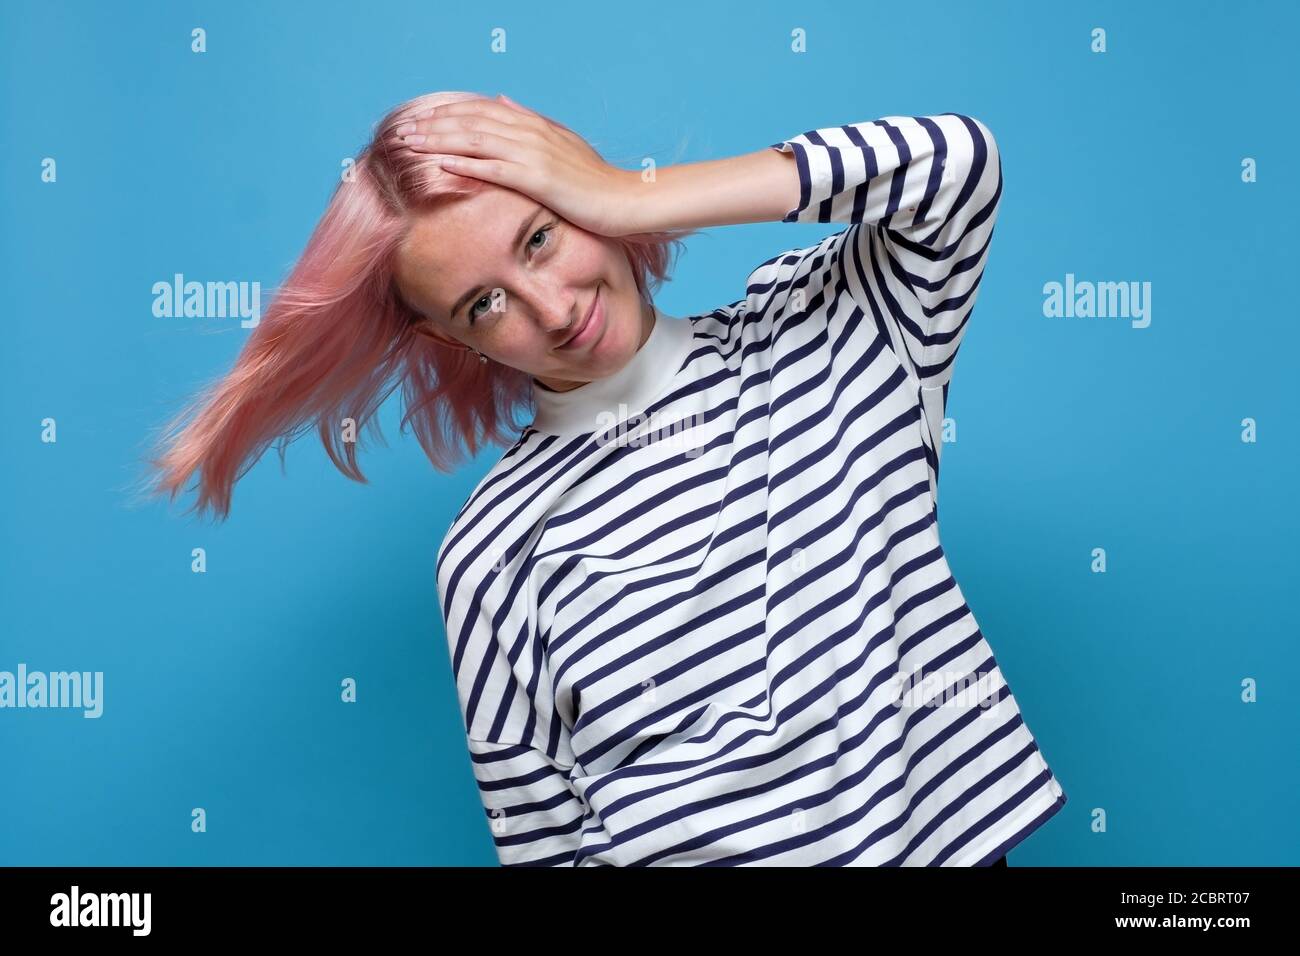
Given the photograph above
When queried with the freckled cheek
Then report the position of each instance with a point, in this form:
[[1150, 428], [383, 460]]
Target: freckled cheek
[[517, 343], [578, 269], [582, 263]]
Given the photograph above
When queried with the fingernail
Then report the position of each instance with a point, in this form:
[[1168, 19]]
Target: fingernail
[[404, 129], [415, 140]]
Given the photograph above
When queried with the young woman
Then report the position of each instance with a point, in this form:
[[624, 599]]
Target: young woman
[[698, 611]]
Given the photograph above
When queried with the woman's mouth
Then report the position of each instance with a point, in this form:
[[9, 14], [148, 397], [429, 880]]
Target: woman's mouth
[[591, 326]]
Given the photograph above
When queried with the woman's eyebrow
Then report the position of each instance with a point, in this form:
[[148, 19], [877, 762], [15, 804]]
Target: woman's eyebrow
[[519, 238]]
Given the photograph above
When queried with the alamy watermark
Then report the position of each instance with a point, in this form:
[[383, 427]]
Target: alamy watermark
[[1100, 300], [76, 908], [38, 689], [649, 429], [208, 300], [940, 688]]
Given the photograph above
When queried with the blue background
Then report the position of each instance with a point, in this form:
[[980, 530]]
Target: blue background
[[222, 689]]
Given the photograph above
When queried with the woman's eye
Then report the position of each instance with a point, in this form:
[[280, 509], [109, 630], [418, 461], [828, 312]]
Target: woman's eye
[[487, 298], [540, 232]]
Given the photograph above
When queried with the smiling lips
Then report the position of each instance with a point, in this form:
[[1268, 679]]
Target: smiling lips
[[591, 324]]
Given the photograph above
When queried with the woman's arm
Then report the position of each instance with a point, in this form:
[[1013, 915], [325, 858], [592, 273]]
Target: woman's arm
[[921, 196], [925, 178], [755, 187]]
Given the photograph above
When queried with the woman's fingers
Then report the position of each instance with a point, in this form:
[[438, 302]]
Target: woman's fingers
[[441, 121], [479, 138], [498, 141], [521, 108], [517, 176], [450, 135], [482, 106]]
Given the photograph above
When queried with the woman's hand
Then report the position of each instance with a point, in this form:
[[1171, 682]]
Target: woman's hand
[[510, 145]]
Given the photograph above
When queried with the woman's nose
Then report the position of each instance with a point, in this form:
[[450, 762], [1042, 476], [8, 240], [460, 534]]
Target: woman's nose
[[556, 314]]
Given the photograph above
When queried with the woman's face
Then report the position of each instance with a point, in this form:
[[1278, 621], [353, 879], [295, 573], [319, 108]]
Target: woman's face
[[498, 272]]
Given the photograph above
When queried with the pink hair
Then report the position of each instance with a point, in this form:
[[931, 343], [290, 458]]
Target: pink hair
[[337, 340]]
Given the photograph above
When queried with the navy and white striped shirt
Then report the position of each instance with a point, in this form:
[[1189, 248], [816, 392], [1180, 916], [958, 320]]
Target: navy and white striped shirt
[[699, 613]]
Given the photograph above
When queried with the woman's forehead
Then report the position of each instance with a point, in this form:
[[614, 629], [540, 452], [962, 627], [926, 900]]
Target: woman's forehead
[[482, 222]]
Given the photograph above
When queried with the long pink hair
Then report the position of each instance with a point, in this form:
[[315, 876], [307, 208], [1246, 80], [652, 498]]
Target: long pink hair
[[337, 339]]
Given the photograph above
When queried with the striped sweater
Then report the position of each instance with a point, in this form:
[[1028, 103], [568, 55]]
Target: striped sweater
[[699, 613]]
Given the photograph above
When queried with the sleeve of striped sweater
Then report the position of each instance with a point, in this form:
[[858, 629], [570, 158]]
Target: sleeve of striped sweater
[[925, 191], [534, 814], [519, 747]]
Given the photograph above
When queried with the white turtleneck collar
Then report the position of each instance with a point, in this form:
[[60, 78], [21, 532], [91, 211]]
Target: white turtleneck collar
[[635, 386]]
